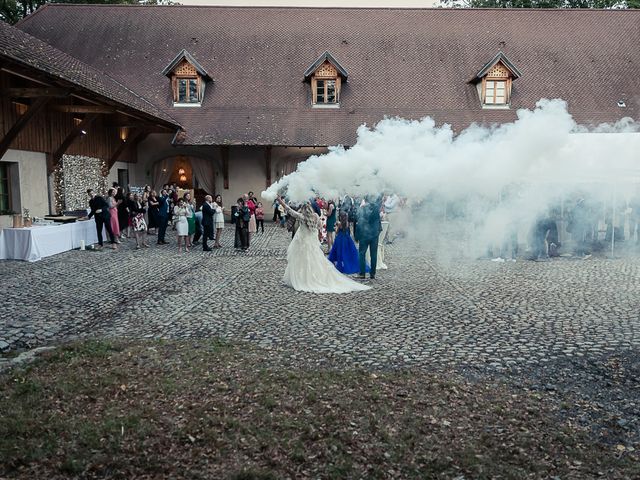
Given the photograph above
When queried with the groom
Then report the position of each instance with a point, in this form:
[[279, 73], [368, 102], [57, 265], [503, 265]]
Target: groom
[[369, 228], [207, 222]]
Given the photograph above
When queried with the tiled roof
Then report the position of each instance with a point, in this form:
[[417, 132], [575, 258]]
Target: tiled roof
[[407, 62], [24, 49]]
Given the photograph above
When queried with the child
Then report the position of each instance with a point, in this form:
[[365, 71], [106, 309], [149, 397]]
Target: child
[[259, 217], [344, 254], [283, 215]]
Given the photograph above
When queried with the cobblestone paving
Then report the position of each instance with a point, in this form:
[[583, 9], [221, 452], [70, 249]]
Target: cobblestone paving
[[420, 311], [566, 326]]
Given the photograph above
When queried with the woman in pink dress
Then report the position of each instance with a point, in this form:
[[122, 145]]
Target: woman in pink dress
[[251, 204], [113, 211]]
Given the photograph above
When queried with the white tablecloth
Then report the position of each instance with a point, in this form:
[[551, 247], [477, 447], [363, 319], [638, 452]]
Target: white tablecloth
[[35, 243]]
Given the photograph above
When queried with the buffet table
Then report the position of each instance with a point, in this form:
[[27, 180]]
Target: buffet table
[[34, 243]]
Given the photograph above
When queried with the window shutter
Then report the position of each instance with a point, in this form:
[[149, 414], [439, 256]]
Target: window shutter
[[174, 83], [314, 91]]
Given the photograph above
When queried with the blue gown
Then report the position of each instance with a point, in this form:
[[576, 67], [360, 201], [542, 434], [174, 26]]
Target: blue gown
[[344, 254]]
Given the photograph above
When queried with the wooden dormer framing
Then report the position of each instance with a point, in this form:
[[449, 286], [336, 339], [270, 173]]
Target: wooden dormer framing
[[183, 70], [495, 80], [326, 77]]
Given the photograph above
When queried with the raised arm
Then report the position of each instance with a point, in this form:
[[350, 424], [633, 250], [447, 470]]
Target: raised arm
[[289, 210]]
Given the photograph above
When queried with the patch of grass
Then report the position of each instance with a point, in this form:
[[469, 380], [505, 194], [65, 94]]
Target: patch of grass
[[253, 475], [72, 466], [89, 349], [10, 354], [207, 409]]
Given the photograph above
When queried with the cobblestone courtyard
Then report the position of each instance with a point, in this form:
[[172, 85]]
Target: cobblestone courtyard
[[566, 326], [419, 312]]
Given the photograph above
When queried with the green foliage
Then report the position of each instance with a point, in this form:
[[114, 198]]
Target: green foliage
[[540, 3], [11, 11]]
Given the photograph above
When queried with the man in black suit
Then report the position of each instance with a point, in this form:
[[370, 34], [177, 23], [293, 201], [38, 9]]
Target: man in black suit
[[100, 211], [207, 222], [163, 216]]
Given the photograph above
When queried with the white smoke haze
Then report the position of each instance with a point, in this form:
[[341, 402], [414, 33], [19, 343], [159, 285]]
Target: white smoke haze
[[492, 177]]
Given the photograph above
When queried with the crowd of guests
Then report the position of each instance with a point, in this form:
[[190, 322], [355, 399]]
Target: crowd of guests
[[132, 215], [136, 215], [590, 225]]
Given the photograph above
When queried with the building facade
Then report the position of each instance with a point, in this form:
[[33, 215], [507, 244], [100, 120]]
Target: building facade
[[250, 92]]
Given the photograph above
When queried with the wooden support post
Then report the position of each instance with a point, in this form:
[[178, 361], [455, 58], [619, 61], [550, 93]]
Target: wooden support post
[[66, 143], [137, 141], [132, 142], [225, 165], [267, 160], [17, 127]]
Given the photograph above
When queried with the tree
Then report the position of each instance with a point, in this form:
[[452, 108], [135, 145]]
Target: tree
[[541, 3], [11, 11]]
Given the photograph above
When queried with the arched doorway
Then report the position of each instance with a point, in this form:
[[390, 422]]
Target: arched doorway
[[187, 172], [182, 173]]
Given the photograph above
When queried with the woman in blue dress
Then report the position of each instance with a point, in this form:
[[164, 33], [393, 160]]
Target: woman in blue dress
[[344, 254]]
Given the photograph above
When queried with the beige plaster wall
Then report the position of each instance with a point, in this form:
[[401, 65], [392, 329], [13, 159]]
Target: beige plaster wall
[[32, 184]]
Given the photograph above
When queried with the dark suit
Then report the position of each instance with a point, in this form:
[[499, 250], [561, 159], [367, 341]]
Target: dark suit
[[207, 224], [100, 212], [242, 216], [368, 232], [163, 217]]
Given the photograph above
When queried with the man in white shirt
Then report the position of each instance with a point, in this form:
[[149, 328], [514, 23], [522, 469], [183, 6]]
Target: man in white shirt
[[390, 206]]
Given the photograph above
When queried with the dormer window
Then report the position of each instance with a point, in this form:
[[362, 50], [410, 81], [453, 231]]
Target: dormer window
[[494, 82], [326, 77], [188, 90], [188, 80]]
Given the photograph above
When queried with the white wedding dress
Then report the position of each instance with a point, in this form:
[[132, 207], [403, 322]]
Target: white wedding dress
[[308, 270]]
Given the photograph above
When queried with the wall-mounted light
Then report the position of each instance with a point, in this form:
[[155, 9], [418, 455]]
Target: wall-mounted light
[[21, 108], [181, 172], [83, 132], [183, 178], [124, 133]]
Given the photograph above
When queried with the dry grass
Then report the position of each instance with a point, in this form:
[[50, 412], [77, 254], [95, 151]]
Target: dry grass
[[99, 409]]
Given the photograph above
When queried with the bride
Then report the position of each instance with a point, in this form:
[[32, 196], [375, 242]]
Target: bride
[[308, 270]]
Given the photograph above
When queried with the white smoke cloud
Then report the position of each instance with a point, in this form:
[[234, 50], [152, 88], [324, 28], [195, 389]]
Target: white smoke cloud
[[544, 152]]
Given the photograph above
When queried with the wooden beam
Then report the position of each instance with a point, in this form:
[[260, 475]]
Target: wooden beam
[[137, 142], [66, 143], [131, 142], [34, 92], [225, 165], [84, 109], [267, 161], [24, 119]]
